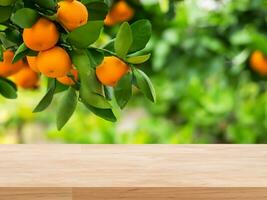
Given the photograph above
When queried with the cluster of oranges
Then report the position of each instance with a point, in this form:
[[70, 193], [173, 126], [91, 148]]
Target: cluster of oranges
[[54, 61], [258, 63], [19, 71], [119, 12]]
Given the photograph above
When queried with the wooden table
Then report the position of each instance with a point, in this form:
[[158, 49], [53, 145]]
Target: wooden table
[[118, 172]]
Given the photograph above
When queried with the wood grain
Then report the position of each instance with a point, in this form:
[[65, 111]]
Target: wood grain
[[36, 194], [169, 193], [132, 193], [133, 166], [133, 172]]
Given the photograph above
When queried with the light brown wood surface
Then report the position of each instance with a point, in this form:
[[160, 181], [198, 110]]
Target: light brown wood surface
[[133, 193], [110, 172], [36, 193]]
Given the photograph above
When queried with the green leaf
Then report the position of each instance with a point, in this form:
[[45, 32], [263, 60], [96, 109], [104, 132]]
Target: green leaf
[[13, 36], [81, 61], [142, 31], [108, 92], [85, 35], [123, 40], [25, 17], [66, 108], [6, 43], [89, 89], [123, 90], [60, 87], [3, 27], [1, 53], [6, 2], [138, 59], [96, 86], [106, 114], [95, 57], [20, 53], [84, 61], [7, 89], [5, 13], [257, 39], [92, 98], [47, 4], [85, 2], [47, 99], [145, 85], [98, 10], [110, 45], [11, 83]]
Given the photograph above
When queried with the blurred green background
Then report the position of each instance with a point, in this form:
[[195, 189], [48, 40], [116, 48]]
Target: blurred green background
[[206, 91]]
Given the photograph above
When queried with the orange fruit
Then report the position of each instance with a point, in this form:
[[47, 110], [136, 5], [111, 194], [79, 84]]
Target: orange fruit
[[54, 62], [120, 12], [6, 66], [109, 20], [32, 63], [258, 62], [72, 14], [110, 71], [41, 36], [66, 80], [26, 78]]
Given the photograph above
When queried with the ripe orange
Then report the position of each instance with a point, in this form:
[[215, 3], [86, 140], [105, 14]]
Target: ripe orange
[[32, 63], [72, 14], [66, 80], [109, 20], [41, 36], [54, 62], [110, 71], [6, 66], [258, 62], [120, 12], [26, 78]]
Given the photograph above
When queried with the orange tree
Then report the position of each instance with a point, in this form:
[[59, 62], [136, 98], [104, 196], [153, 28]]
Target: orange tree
[[57, 40], [202, 64]]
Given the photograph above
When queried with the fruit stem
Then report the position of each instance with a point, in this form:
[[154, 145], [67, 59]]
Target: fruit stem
[[51, 17], [104, 50]]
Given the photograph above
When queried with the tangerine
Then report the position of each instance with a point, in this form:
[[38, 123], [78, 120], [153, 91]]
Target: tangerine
[[110, 71], [54, 62], [26, 78], [41, 36], [258, 62], [72, 14], [7, 68]]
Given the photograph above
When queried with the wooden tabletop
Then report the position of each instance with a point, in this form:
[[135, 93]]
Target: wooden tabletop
[[128, 167]]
